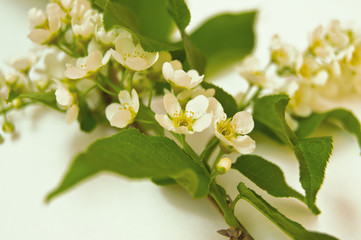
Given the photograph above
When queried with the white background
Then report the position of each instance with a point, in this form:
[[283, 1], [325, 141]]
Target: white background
[[112, 207]]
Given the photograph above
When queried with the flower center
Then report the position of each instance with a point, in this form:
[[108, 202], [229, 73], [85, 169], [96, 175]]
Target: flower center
[[226, 128], [183, 118]]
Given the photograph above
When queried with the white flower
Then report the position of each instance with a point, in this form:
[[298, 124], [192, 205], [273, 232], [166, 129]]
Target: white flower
[[50, 64], [87, 65], [281, 53], [252, 72], [45, 33], [63, 96], [319, 46], [21, 63], [312, 72], [173, 73], [121, 115], [336, 37], [106, 37], [66, 99], [232, 131], [132, 56], [85, 26], [193, 118], [36, 17], [78, 8]]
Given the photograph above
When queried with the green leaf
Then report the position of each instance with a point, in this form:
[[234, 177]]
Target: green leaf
[[135, 155], [227, 100], [86, 118], [225, 40], [312, 153], [164, 181], [293, 229], [270, 112], [179, 11], [196, 59], [267, 176], [148, 20], [47, 98], [346, 118], [101, 4], [145, 119]]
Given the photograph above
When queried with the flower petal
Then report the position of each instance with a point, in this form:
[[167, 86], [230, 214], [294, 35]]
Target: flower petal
[[168, 71], [182, 130], [74, 72], [124, 97], [171, 104], [136, 63], [121, 118], [94, 61], [117, 56], [202, 123], [197, 106], [195, 78], [106, 57], [135, 101], [72, 114], [39, 35], [215, 108], [124, 45], [63, 96], [181, 79], [244, 144], [243, 122], [164, 121], [111, 109]]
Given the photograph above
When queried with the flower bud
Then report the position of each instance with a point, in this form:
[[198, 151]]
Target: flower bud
[[16, 103], [224, 165], [1, 139], [8, 127]]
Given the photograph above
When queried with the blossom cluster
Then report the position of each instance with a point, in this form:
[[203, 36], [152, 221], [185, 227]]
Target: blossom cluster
[[78, 60], [329, 68]]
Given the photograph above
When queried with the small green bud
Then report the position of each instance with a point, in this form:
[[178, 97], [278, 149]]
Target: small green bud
[[224, 165], [42, 84], [8, 127], [16, 103], [1, 139]]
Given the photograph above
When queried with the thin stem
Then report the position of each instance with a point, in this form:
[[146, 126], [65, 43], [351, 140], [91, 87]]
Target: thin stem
[[218, 158], [110, 83], [207, 152], [255, 96], [88, 90], [234, 202], [130, 76], [103, 89], [218, 199], [150, 95], [125, 73]]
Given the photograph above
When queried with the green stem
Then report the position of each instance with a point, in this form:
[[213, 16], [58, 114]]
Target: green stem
[[150, 95], [255, 96], [234, 202], [104, 89], [88, 90], [130, 77], [125, 73], [110, 83], [218, 197], [218, 158], [207, 152]]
